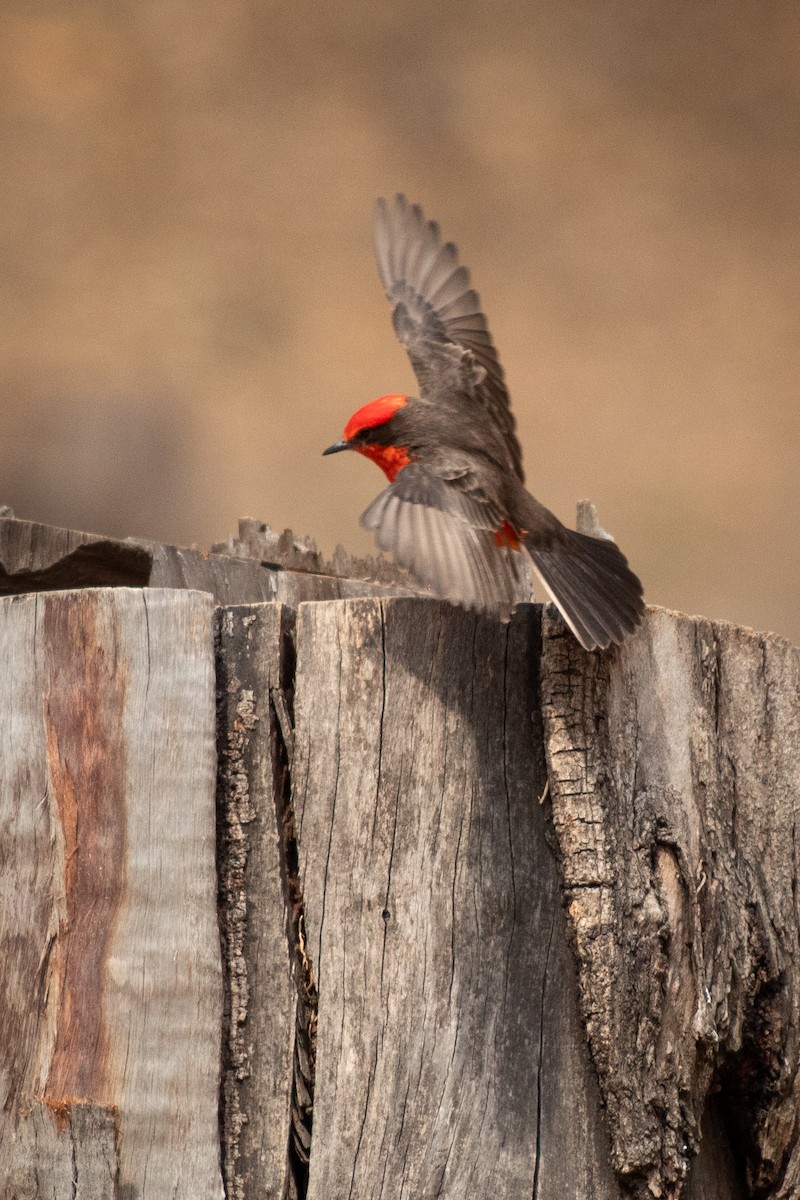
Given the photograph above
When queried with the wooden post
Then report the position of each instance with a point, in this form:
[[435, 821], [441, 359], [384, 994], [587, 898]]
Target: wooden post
[[499, 917], [674, 768], [261, 999], [449, 1055], [111, 991]]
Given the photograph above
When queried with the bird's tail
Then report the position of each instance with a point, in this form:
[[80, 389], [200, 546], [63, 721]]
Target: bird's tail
[[591, 584]]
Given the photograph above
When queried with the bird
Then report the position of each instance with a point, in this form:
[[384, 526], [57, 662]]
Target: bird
[[456, 513]]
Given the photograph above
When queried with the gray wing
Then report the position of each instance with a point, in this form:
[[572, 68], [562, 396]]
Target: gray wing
[[437, 317], [443, 532]]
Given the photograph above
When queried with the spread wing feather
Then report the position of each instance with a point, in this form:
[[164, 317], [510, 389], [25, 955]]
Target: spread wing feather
[[437, 317], [444, 534]]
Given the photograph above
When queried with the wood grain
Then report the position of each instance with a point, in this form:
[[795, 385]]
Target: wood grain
[[450, 1055], [111, 990], [65, 1151], [674, 765], [35, 558], [457, 1052]]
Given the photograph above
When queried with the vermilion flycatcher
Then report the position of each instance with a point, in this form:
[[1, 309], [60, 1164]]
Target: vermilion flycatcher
[[457, 513]]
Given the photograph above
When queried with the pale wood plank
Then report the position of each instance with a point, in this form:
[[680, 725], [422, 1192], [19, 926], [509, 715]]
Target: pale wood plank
[[450, 1058], [111, 990], [65, 1151]]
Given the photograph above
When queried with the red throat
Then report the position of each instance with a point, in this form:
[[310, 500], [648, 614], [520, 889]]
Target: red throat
[[390, 459]]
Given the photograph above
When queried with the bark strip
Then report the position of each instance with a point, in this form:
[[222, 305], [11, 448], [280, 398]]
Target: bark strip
[[267, 1098]]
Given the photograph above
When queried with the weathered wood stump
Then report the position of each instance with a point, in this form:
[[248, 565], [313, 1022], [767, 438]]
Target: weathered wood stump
[[449, 1053], [499, 917], [674, 768]]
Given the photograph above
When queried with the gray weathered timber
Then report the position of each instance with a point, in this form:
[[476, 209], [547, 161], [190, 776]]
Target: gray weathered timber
[[458, 1054], [243, 581], [111, 988], [450, 1061], [260, 1000], [256, 540], [674, 766], [65, 1151], [37, 558]]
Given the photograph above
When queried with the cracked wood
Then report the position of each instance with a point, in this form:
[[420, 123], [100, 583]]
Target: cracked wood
[[260, 992], [449, 1051], [674, 765]]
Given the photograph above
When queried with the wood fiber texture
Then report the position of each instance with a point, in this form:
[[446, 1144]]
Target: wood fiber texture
[[111, 994], [674, 765], [426, 821], [450, 1060], [36, 558]]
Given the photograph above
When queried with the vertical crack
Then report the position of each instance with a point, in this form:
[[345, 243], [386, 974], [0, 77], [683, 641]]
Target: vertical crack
[[232, 813], [73, 1190], [535, 1193], [305, 1042]]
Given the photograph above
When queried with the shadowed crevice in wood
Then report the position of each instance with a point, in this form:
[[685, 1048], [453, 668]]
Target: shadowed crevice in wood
[[43, 558], [538, 1159], [305, 1044], [266, 1103]]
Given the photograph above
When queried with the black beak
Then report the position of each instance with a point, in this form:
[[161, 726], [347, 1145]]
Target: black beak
[[336, 447]]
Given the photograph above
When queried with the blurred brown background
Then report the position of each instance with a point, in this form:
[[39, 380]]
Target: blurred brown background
[[190, 311]]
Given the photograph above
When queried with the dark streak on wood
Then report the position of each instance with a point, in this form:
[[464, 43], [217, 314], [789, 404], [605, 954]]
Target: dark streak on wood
[[39, 558]]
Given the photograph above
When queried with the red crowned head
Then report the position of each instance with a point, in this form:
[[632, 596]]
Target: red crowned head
[[377, 412], [389, 458]]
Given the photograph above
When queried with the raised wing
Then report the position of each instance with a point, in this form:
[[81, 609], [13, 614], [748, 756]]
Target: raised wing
[[437, 317], [444, 533]]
